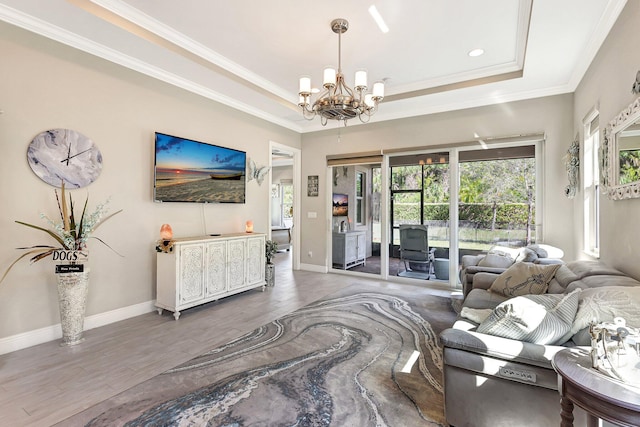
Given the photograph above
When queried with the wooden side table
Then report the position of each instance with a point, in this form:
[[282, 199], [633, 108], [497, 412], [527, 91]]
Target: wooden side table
[[599, 395]]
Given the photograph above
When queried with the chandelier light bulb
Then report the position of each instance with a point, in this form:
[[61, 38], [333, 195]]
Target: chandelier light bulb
[[305, 85], [368, 100], [329, 79], [378, 90], [361, 79]]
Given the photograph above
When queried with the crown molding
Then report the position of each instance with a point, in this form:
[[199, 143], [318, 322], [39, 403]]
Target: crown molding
[[68, 38], [142, 20]]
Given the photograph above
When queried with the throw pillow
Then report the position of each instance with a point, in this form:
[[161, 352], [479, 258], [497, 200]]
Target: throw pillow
[[496, 259], [524, 278], [604, 303], [539, 319], [540, 252], [526, 255]]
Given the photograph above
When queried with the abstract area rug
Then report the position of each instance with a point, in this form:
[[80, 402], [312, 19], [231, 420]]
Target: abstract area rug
[[356, 358]]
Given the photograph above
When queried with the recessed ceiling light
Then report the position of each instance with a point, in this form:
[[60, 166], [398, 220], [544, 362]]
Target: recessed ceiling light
[[373, 11], [476, 52]]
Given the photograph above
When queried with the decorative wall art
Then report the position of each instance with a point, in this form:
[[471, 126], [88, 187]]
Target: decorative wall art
[[257, 172], [340, 204], [58, 155], [572, 164], [312, 185]]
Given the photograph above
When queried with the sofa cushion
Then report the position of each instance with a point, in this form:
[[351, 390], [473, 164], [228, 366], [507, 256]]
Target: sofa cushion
[[585, 268], [526, 255], [604, 303], [540, 252], [496, 260], [546, 251], [603, 281], [524, 278], [539, 319], [480, 298]]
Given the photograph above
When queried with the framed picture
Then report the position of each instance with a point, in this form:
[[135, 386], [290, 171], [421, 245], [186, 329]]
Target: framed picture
[[340, 204], [312, 186]]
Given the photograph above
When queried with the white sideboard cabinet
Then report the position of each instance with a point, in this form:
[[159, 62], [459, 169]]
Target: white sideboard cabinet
[[349, 249], [203, 269]]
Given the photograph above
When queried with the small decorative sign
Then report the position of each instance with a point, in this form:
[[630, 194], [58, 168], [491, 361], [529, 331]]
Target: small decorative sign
[[312, 186], [73, 257], [69, 268]]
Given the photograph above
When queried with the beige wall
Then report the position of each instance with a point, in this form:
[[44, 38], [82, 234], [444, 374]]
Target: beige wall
[[46, 85], [551, 115], [607, 86], [281, 173]]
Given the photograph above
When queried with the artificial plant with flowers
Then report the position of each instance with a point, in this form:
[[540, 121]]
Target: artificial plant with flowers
[[69, 232]]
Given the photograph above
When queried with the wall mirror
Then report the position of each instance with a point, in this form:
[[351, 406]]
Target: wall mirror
[[621, 154]]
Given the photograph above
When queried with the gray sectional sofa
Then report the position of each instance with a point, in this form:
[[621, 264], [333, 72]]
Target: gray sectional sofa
[[496, 381]]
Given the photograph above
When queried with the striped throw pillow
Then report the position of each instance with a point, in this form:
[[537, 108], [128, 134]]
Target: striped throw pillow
[[539, 319]]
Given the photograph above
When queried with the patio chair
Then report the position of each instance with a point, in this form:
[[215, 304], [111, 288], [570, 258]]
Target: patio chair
[[414, 249]]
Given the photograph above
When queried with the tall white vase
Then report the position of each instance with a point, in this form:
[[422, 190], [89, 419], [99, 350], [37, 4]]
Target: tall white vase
[[72, 297]]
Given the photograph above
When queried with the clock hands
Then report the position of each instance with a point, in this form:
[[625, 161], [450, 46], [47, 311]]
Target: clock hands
[[75, 155], [68, 154]]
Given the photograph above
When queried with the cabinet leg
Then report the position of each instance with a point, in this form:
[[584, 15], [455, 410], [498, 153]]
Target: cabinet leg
[[159, 312], [176, 315]]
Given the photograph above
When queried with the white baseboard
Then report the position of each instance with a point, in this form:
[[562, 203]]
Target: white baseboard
[[315, 268], [54, 332]]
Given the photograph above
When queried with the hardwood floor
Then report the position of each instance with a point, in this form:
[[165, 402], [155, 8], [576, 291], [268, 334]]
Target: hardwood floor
[[44, 384]]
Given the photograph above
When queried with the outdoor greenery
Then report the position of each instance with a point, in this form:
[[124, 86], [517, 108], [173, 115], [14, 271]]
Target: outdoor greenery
[[629, 166], [496, 199]]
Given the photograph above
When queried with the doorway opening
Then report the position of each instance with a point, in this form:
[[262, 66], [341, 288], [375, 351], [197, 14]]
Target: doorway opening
[[284, 202]]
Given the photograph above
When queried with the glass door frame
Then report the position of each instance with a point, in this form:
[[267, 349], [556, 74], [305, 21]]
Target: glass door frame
[[454, 191]]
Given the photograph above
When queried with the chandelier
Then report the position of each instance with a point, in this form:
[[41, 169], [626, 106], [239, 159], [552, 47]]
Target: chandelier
[[339, 101]]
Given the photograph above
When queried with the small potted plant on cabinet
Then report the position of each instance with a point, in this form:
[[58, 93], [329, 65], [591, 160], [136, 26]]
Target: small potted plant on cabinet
[[271, 248]]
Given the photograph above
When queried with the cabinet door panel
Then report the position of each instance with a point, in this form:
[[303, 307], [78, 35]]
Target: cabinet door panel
[[191, 277], [236, 258], [362, 246], [352, 248], [255, 260], [216, 272]]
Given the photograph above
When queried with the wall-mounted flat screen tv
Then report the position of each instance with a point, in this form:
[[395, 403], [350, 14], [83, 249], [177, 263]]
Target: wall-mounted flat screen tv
[[193, 171], [340, 204]]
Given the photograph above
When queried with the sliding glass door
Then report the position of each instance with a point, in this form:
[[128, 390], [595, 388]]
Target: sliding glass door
[[355, 223], [495, 192], [497, 198], [420, 196]]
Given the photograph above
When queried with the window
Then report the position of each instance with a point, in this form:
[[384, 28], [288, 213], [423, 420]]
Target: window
[[360, 192], [287, 205], [496, 197], [590, 185]]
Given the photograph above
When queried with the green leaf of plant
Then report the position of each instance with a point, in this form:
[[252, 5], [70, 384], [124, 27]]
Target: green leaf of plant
[[49, 232]]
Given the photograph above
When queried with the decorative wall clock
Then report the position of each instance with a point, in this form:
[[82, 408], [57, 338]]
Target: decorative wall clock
[[58, 155]]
